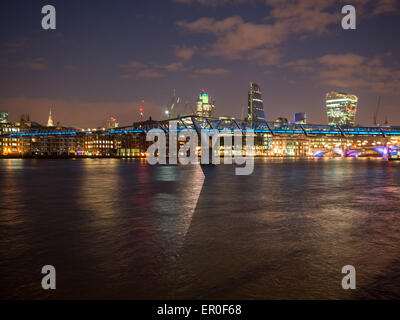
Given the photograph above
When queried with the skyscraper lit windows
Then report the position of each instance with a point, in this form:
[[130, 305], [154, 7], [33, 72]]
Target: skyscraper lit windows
[[255, 106], [341, 108]]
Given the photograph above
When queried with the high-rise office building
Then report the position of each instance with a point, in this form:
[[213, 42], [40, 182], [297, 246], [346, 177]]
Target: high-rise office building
[[255, 106], [300, 118], [204, 106], [3, 117], [341, 108]]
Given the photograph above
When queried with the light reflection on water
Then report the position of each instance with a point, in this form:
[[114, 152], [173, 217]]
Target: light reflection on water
[[123, 229]]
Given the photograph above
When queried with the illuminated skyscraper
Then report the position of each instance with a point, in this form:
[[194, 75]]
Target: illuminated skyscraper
[[50, 121], [204, 105], [3, 117], [341, 108], [255, 106]]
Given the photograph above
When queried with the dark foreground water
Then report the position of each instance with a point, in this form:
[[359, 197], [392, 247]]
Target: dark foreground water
[[123, 229]]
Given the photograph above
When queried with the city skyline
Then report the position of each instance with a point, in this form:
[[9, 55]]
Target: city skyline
[[220, 46], [199, 158], [185, 110]]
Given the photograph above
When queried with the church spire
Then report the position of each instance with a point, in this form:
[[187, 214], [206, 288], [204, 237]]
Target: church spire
[[50, 121]]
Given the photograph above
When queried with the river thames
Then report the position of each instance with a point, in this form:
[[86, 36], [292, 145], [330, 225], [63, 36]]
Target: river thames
[[121, 229]]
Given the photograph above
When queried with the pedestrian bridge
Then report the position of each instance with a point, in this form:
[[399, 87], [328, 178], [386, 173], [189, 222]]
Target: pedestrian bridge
[[382, 151], [226, 125]]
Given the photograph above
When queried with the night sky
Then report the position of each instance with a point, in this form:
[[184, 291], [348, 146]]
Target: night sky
[[106, 56]]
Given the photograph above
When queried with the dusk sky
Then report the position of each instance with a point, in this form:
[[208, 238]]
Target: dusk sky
[[106, 56]]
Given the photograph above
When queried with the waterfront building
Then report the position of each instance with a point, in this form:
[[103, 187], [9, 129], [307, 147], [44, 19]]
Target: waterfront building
[[9, 145], [341, 108], [54, 146], [204, 105], [129, 145], [102, 144], [39, 141], [50, 120], [255, 104], [99, 145], [281, 146]]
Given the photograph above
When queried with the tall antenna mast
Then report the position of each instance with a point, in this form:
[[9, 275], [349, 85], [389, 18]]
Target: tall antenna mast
[[141, 110]]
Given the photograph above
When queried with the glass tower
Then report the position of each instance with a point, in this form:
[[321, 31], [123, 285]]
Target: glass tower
[[3, 117], [204, 106], [341, 108], [255, 107]]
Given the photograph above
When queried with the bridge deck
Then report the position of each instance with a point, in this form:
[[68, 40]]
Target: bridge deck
[[221, 125]]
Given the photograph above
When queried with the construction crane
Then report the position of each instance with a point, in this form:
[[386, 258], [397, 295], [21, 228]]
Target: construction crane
[[173, 104], [386, 121], [377, 110]]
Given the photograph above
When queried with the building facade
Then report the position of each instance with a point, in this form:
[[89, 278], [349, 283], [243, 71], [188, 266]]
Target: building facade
[[204, 105], [129, 145], [54, 146], [341, 108], [99, 145], [3, 117], [255, 104], [9, 145]]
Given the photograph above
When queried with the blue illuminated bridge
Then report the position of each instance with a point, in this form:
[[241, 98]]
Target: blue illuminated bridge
[[199, 123]]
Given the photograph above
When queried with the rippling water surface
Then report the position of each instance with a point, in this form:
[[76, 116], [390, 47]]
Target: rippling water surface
[[124, 229]]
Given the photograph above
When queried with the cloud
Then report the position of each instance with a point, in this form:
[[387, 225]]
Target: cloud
[[293, 7], [133, 65], [346, 60], [301, 65], [349, 71], [236, 38], [146, 73], [210, 25], [136, 69], [385, 6], [150, 74], [174, 67], [266, 57], [313, 16], [263, 43], [214, 72], [35, 64], [185, 53], [17, 45]]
